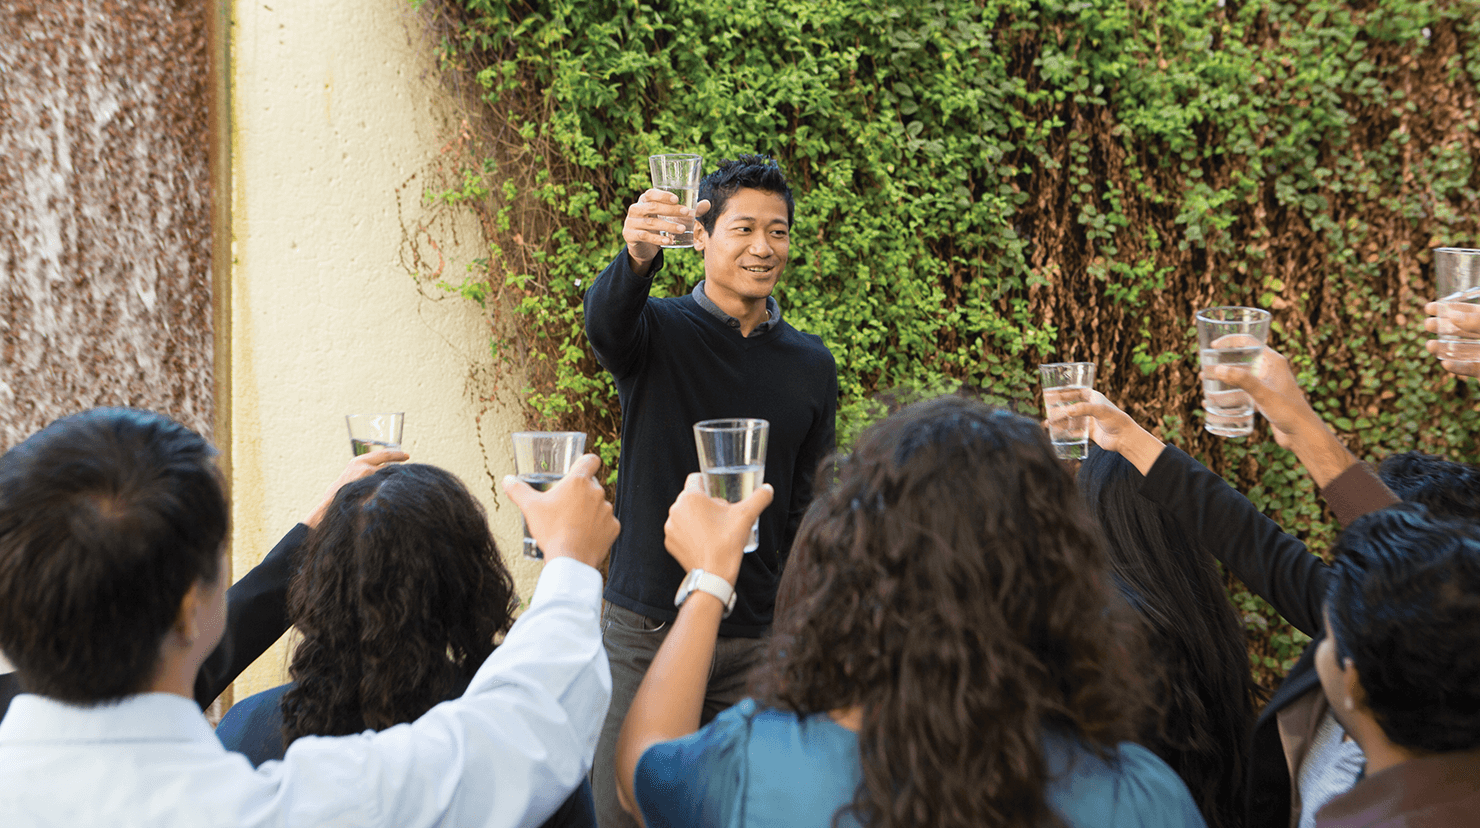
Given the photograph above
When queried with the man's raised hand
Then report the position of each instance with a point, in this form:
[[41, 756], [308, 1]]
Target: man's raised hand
[[652, 222]]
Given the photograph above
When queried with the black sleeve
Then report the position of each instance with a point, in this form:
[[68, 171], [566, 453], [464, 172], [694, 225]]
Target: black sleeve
[[613, 306], [256, 616], [1272, 564]]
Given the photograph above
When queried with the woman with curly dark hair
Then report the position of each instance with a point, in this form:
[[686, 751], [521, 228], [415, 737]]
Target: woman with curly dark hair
[[948, 650], [399, 596], [1206, 693]]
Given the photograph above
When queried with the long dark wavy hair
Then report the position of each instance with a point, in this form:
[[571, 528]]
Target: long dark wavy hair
[[952, 585], [1206, 693], [400, 596]]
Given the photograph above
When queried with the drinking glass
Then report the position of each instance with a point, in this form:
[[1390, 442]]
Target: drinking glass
[[732, 456], [541, 459], [368, 432], [1230, 336], [1064, 384], [1457, 273], [678, 174]]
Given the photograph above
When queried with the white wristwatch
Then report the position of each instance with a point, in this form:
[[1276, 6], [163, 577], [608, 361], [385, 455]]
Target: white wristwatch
[[706, 582]]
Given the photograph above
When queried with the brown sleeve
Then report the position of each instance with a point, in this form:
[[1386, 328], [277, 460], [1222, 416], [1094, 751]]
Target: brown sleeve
[[1356, 492]]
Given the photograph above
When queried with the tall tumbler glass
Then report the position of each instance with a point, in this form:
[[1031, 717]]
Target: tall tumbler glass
[[1457, 274], [541, 458], [1064, 384], [368, 432], [1230, 336], [732, 456], [678, 174]]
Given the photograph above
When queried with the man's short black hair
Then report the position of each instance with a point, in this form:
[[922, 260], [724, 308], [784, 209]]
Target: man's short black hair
[[1447, 488], [106, 520], [744, 172], [1404, 606]]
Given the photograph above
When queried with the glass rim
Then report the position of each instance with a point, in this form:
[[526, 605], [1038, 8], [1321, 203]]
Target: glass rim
[[676, 156], [1043, 365], [1466, 251], [348, 417], [1253, 314], [732, 424], [532, 434]]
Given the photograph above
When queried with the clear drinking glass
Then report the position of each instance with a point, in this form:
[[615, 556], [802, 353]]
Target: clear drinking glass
[[1064, 384], [368, 432], [732, 456], [541, 459], [679, 174], [1457, 275], [1230, 336]]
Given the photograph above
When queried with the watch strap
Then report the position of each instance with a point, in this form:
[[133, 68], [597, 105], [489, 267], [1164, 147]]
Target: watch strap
[[702, 581]]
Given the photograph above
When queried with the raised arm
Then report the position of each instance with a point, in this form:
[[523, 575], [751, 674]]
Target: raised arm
[[613, 304], [1295, 424], [257, 605], [705, 533]]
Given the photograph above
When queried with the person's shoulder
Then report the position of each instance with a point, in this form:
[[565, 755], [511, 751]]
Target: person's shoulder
[[1130, 786], [808, 346]]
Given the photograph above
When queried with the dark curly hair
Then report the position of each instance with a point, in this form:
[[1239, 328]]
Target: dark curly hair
[[1447, 488], [400, 596], [1207, 694], [1404, 605], [953, 586]]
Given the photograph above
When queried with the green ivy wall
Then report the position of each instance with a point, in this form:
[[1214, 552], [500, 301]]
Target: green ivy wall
[[988, 185]]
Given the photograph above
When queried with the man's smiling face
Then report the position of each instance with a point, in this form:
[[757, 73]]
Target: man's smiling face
[[746, 253]]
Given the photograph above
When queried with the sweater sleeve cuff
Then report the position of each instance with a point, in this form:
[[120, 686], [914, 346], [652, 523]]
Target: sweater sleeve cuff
[[625, 263], [1356, 492], [1164, 481]]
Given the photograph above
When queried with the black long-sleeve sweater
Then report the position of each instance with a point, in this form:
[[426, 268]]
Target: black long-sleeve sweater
[[675, 364]]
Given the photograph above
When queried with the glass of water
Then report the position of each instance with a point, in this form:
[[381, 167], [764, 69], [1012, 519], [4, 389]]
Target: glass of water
[[368, 432], [732, 456], [541, 459], [1064, 384], [678, 174], [1230, 336], [1457, 275]]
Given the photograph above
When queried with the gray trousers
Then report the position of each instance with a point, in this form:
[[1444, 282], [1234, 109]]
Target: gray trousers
[[631, 642]]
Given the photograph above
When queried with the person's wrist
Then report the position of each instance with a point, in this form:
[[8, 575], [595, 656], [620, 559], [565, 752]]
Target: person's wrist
[[1141, 448]]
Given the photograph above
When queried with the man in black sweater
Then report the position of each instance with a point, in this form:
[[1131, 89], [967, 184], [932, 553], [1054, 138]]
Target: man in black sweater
[[722, 351]]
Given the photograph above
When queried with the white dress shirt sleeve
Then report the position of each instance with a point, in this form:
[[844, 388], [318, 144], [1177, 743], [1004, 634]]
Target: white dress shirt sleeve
[[506, 753]]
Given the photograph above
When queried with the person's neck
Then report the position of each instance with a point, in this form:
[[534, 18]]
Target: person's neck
[[1381, 753], [177, 678], [750, 312]]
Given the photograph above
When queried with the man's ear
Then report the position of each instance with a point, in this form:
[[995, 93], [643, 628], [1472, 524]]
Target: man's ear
[[701, 237], [188, 622]]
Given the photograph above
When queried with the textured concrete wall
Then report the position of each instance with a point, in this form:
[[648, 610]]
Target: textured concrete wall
[[337, 129], [105, 232]]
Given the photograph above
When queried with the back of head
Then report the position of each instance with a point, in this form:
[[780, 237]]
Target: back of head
[[744, 172], [107, 518], [399, 598], [1206, 693], [952, 585], [1404, 606], [1447, 488]]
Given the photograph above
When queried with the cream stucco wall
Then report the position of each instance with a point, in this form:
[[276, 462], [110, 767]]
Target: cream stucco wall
[[333, 111]]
